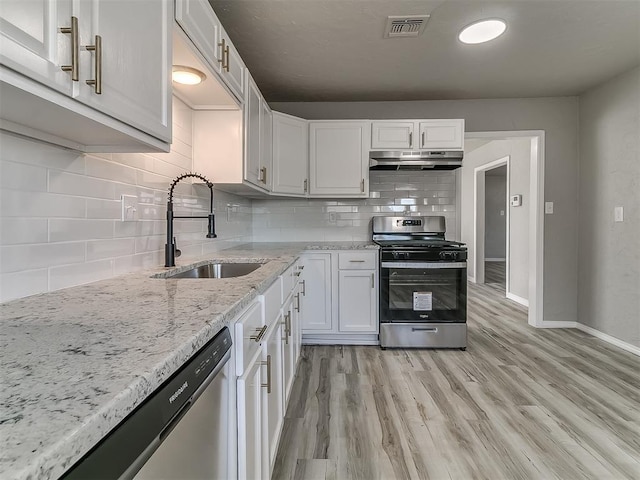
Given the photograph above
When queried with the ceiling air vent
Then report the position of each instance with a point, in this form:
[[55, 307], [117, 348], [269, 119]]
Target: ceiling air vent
[[405, 26]]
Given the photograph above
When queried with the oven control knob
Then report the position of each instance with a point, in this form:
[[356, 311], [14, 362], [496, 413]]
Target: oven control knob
[[448, 255]]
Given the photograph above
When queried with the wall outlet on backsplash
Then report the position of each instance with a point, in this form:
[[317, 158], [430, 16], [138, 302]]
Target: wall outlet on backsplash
[[129, 208], [332, 217]]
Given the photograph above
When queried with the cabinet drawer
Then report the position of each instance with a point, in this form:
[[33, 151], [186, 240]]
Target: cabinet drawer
[[357, 261], [272, 301], [250, 324]]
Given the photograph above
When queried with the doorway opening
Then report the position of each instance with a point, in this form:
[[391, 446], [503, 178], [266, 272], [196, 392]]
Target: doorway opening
[[524, 247]]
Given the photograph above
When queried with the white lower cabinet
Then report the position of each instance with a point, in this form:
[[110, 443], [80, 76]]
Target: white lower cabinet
[[266, 360], [317, 301], [345, 285], [250, 430]]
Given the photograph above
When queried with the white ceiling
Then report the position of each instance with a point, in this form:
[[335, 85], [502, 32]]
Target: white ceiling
[[334, 50]]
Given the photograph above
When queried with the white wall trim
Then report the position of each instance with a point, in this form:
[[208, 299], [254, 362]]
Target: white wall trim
[[479, 216], [554, 324], [489, 259], [608, 338], [536, 217], [517, 299], [471, 279]]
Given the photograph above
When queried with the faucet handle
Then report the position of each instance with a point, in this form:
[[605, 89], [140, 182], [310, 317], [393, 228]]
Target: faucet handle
[[175, 248]]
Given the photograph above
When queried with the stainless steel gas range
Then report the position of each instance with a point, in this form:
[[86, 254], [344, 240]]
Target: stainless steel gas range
[[423, 284]]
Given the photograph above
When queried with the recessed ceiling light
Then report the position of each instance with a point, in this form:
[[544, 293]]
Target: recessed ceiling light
[[482, 31], [187, 75]]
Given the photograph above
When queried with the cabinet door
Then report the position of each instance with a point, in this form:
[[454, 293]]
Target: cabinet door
[[317, 301], [266, 150], [290, 154], [252, 111], [296, 322], [250, 441], [388, 135], [274, 407], [233, 68], [436, 134], [357, 302], [135, 61], [32, 44], [339, 158], [199, 22]]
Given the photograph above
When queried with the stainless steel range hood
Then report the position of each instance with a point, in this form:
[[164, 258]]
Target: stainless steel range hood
[[415, 160]]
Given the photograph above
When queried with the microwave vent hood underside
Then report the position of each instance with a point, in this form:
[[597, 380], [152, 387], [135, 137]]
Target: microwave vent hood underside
[[415, 160]]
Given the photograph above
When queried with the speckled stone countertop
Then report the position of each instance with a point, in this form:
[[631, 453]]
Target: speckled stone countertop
[[76, 361]]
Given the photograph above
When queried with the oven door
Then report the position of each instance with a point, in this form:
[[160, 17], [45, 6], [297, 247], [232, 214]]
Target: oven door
[[423, 292]]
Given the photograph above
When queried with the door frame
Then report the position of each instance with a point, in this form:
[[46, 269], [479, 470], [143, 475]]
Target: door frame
[[536, 216], [479, 219]]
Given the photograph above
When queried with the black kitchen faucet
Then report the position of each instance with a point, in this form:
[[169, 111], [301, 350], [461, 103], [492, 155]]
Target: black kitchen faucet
[[170, 249]]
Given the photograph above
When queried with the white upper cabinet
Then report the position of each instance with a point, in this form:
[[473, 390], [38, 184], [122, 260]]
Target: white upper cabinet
[[290, 154], [32, 43], [133, 63], [257, 153], [339, 158], [49, 50], [445, 134], [418, 134], [200, 23], [392, 135]]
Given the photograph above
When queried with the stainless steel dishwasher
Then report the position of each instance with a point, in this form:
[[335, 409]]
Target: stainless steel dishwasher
[[180, 432]]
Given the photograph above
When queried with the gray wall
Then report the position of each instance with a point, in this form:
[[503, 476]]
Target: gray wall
[[558, 117], [495, 232], [609, 253]]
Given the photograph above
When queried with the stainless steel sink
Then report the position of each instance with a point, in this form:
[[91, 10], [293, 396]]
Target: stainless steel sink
[[218, 270]]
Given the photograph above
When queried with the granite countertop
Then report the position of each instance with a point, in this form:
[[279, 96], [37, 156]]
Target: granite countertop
[[76, 361]]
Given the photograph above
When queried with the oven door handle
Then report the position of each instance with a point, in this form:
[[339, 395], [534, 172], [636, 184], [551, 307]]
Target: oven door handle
[[423, 265]]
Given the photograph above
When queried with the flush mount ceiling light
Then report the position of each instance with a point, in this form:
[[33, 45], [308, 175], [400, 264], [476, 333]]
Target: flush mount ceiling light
[[482, 31], [187, 75]]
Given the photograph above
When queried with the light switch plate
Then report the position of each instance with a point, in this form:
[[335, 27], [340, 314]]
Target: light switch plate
[[618, 214], [129, 208], [548, 208]]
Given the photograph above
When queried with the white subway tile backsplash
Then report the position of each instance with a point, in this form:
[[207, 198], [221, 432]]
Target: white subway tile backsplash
[[16, 258], [72, 275], [18, 176], [114, 247], [15, 203], [60, 212], [80, 185], [22, 284], [65, 230], [17, 231]]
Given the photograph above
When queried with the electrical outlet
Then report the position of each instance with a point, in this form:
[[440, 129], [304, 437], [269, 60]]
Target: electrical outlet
[[129, 208], [618, 214], [332, 217], [548, 208]]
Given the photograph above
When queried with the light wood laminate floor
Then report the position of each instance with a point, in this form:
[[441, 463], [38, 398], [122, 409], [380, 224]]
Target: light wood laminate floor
[[519, 403]]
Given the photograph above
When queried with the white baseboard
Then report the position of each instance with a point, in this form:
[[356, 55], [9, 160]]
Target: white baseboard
[[471, 279], [517, 299], [495, 259], [592, 331], [338, 339], [552, 324], [608, 338]]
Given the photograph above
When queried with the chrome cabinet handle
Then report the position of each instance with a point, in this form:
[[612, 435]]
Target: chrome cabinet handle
[[422, 140], [410, 139], [297, 306], [304, 288], [73, 31], [268, 364], [96, 82], [362, 186], [263, 175], [356, 261], [224, 57], [306, 185], [258, 337], [373, 280]]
